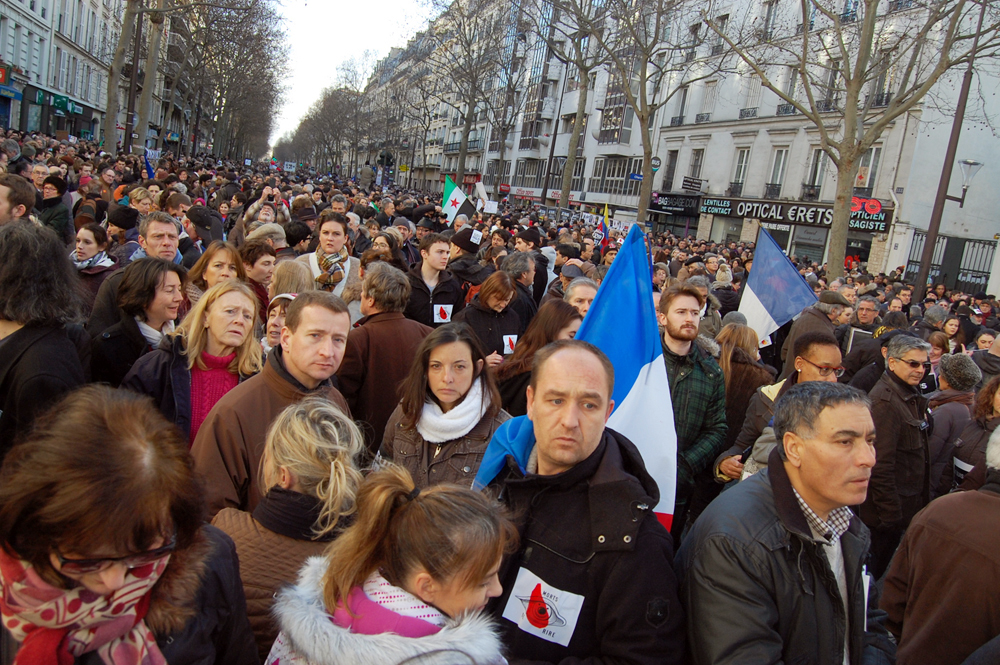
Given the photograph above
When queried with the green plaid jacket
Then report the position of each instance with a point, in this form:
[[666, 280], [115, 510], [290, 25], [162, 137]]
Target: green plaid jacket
[[698, 392]]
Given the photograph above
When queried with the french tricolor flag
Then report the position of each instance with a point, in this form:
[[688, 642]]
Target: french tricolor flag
[[775, 292], [622, 323]]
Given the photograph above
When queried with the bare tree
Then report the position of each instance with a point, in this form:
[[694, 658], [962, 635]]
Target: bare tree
[[651, 50], [469, 46], [570, 28], [855, 71]]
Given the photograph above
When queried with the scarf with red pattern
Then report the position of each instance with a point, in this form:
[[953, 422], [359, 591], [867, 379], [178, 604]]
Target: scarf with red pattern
[[56, 626]]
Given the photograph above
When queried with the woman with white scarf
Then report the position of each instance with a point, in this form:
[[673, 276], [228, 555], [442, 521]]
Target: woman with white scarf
[[92, 261], [450, 409]]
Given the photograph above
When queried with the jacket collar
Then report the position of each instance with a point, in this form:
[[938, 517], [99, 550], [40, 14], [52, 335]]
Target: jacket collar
[[282, 382], [290, 514], [992, 481], [379, 316], [785, 504], [905, 391]]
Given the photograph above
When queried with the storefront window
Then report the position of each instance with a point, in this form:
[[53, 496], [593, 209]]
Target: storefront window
[[34, 118], [808, 243]]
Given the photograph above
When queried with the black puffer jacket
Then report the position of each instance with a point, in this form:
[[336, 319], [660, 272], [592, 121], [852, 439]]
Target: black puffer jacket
[[590, 532], [497, 331], [219, 631], [729, 300], [758, 587]]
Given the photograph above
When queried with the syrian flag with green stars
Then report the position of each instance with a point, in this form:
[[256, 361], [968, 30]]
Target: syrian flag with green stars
[[455, 201]]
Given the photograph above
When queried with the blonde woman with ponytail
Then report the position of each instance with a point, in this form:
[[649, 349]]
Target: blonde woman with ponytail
[[409, 577], [309, 476]]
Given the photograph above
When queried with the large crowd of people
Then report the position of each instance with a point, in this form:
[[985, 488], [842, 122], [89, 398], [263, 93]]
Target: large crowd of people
[[249, 416]]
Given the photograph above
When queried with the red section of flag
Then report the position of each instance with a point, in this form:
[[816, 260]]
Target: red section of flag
[[537, 612], [454, 203]]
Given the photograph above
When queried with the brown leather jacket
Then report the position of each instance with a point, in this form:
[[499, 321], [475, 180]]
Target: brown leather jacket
[[454, 461]]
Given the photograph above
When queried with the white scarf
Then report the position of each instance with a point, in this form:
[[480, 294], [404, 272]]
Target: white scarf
[[436, 426], [152, 335]]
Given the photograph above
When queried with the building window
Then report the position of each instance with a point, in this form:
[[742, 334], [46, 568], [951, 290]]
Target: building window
[[779, 165], [697, 157], [668, 176], [868, 170], [742, 164]]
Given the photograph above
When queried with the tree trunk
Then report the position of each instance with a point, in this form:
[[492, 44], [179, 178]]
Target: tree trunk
[[574, 138], [115, 75], [646, 185], [847, 171], [463, 148], [152, 69], [499, 177]]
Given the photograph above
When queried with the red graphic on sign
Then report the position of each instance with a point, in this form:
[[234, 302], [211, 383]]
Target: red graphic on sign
[[510, 343], [537, 612], [444, 314]]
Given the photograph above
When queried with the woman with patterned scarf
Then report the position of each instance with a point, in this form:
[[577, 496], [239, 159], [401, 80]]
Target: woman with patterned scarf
[[91, 259], [332, 266], [112, 564]]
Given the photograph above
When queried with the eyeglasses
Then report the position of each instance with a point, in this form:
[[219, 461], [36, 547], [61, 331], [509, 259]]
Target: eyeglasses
[[825, 371], [915, 364], [84, 566]]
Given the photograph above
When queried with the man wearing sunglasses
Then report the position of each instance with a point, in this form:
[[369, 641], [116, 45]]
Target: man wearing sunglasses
[[899, 485]]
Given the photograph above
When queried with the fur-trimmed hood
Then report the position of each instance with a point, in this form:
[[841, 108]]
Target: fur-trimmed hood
[[307, 627], [172, 603], [708, 345]]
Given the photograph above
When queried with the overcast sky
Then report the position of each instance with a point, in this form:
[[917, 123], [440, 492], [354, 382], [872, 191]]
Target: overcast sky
[[324, 33]]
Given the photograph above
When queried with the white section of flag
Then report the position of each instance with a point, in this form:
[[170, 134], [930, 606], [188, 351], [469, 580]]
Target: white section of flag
[[647, 419], [757, 315]]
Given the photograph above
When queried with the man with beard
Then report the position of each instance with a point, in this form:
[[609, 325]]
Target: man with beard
[[698, 393]]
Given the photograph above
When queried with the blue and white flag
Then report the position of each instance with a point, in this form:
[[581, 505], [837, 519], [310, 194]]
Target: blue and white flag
[[775, 292], [621, 322]]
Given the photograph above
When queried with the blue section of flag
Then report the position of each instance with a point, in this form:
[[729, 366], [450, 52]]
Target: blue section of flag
[[621, 321], [776, 282], [149, 168], [516, 437]]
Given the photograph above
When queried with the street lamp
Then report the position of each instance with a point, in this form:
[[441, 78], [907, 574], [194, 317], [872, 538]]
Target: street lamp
[[970, 168]]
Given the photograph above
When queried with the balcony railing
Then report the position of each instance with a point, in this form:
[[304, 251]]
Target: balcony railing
[[677, 121], [882, 99], [772, 190], [786, 109], [850, 16], [748, 113], [900, 5], [474, 145], [702, 117], [863, 192], [826, 105], [736, 189], [810, 192]]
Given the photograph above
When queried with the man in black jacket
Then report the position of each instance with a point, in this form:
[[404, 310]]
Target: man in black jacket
[[520, 266], [593, 581], [435, 294], [773, 570], [900, 483], [530, 240]]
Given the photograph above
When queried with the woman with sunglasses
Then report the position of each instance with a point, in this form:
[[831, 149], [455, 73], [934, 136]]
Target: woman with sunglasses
[[113, 564]]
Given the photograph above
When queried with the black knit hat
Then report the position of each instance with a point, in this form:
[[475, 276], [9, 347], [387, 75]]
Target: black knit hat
[[468, 239], [123, 217], [531, 235]]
